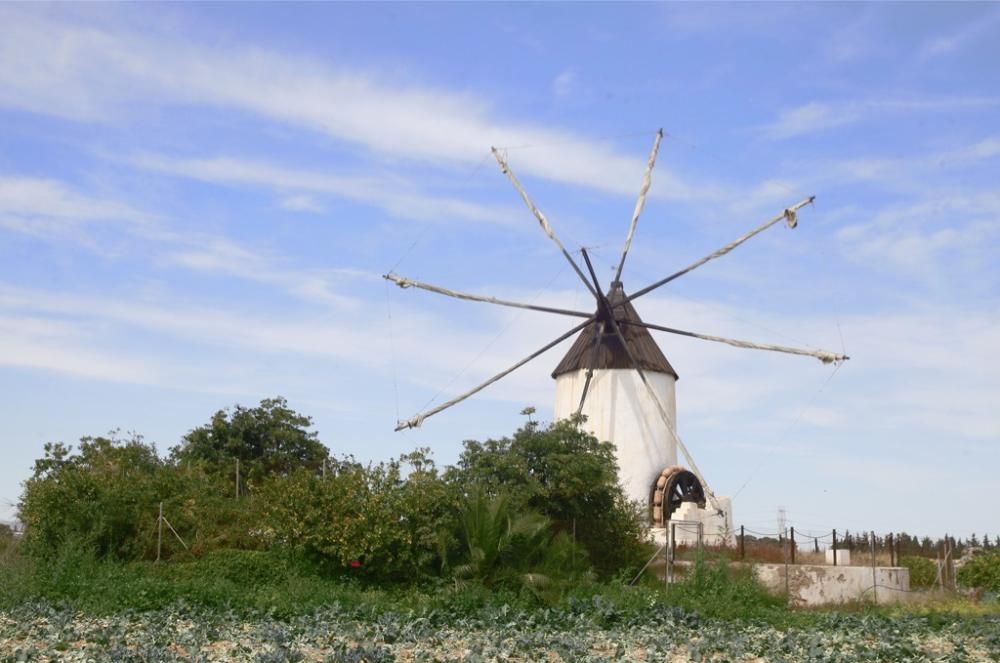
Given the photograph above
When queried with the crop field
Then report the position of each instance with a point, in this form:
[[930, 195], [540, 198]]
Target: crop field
[[582, 631]]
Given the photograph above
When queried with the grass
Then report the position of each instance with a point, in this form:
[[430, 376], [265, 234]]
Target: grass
[[254, 583]]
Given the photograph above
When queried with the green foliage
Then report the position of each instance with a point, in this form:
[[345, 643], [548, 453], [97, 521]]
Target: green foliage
[[567, 475], [319, 619], [923, 571], [518, 551], [718, 589], [269, 439], [982, 572], [367, 515], [548, 491], [6, 538], [100, 497]]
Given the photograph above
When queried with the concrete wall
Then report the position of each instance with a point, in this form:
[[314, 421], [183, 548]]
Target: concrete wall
[[810, 584], [619, 410]]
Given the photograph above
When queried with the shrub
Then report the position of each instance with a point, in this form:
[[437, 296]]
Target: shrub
[[365, 520], [517, 551], [717, 589], [982, 572], [923, 571], [567, 475]]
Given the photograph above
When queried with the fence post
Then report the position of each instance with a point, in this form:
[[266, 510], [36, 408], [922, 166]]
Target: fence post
[[791, 543], [159, 532], [816, 544], [237, 478], [701, 536], [835, 547], [742, 543], [673, 549], [788, 595], [892, 551], [874, 580]]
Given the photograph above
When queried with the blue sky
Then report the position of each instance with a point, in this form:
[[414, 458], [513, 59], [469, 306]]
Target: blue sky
[[197, 203]]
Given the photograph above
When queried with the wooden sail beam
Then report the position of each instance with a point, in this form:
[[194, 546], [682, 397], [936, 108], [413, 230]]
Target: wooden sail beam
[[641, 202], [542, 221], [417, 420], [404, 283], [787, 215], [823, 355], [609, 312]]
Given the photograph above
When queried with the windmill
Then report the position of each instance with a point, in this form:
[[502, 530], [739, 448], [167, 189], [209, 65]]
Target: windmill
[[616, 375]]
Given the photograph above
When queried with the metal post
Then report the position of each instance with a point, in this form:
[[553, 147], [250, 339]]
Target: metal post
[[701, 535], [673, 548], [791, 543], [835, 547], [892, 550], [788, 595], [816, 544], [159, 532], [668, 567], [742, 543], [874, 579], [237, 478]]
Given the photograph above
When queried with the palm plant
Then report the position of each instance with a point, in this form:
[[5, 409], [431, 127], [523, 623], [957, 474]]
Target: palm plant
[[505, 548]]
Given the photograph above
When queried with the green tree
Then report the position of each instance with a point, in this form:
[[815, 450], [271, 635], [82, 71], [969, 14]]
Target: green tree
[[268, 439], [101, 496], [565, 474]]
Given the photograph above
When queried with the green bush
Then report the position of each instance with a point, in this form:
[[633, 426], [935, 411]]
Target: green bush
[[516, 551], [717, 589], [923, 571], [982, 572], [567, 475], [365, 520]]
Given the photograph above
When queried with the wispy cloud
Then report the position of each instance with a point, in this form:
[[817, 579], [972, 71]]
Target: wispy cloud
[[65, 347], [48, 208], [931, 240], [392, 194], [819, 116], [301, 203], [563, 84], [55, 211], [974, 30], [99, 74]]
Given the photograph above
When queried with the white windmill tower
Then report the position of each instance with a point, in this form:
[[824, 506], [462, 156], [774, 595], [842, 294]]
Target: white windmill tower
[[616, 375]]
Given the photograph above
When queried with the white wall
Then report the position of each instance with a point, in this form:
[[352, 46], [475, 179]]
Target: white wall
[[818, 585], [620, 410]]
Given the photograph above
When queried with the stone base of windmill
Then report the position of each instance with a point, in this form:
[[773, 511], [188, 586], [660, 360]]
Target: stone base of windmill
[[691, 524]]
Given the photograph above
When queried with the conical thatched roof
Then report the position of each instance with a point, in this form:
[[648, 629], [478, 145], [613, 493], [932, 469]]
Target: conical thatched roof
[[610, 353]]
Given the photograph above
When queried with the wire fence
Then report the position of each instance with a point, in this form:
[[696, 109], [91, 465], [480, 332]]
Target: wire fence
[[682, 543]]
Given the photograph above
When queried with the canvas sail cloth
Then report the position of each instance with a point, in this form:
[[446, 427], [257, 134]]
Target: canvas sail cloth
[[618, 407]]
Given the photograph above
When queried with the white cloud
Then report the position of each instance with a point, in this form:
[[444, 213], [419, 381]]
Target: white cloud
[[917, 237], [65, 347], [910, 172], [301, 203], [49, 209], [392, 194], [809, 118], [972, 31], [818, 116], [100, 74], [564, 83]]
